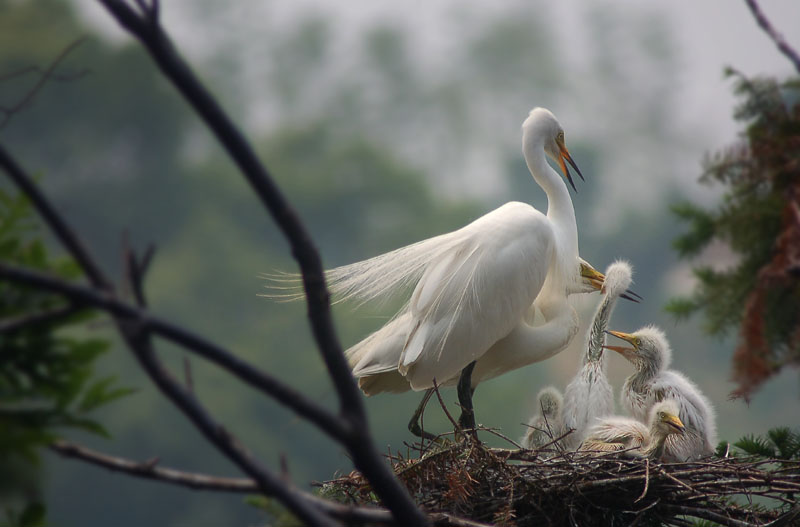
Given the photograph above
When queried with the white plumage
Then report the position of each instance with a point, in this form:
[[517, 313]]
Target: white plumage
[[589, 395], [374, 360], [475, 287], [545, 426], [615, 433], [653, 382]]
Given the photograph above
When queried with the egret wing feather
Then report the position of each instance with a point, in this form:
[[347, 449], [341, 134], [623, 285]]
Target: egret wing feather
[[467, 302]]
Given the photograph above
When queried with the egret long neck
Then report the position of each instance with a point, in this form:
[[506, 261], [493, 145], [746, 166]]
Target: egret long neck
[[655, 447], [537, 343], [594, 351], [559, 204]]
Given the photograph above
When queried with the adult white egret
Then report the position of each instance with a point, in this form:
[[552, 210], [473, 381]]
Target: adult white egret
[[611, 434], [652, 382], [589, 394], [545, 426], [475, 286], [375, 362]]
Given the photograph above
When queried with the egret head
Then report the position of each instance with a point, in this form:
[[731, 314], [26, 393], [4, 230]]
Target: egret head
[[550, 401], [664, 418], [618, 278], [542, 125], [649, 348]]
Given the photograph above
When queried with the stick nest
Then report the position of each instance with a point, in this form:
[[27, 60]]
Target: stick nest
[[477, 485]]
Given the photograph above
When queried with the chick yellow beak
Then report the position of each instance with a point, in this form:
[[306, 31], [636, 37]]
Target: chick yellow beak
[[624, 336], [675, 422]]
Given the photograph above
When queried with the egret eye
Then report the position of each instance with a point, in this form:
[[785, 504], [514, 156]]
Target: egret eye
[[662, 415], [637, 341], [560, 136]]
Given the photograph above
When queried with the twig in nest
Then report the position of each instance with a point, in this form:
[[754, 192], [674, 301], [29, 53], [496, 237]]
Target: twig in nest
[[444, 407], [646, 480]]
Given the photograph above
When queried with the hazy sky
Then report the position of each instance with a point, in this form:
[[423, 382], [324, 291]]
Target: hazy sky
[[705, 36], [709, 35]]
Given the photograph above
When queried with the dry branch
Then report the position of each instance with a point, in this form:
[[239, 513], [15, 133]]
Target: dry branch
[[144, 25]]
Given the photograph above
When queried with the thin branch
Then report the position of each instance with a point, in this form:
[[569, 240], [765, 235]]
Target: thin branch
[[225, 442], [776, 37], [198, 481], [149, 470], [359, 442], [9, 111], [56, 314], [705, 514], [456, 427], [62, 77], [62, 231], [138, 340], [142, 319]]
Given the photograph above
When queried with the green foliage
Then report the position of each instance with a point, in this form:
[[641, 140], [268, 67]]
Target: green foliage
[[46, 367], [759, 221], [779, 443], [33, 515]]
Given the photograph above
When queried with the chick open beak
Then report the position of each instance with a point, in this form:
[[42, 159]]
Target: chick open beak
[[568, 158], [622, 350]]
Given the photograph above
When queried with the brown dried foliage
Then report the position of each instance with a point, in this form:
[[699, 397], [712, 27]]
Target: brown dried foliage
[[774, 147]]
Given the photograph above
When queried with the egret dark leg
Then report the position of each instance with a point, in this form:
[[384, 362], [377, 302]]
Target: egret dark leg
[[413, 425], [465, 391]]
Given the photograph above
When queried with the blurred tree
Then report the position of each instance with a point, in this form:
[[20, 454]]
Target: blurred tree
[[759, 220], [111, 138], [47, 380]]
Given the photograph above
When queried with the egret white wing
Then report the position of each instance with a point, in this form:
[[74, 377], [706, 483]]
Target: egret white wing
[[475, 295]]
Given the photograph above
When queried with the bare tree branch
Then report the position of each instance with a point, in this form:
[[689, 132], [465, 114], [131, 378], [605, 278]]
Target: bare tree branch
[[198, 481], [138, 340], [365, 456], [149, 470], [776, 37], [28, 70], [142, 319], [48, 74], [53, 220], [32, 319]]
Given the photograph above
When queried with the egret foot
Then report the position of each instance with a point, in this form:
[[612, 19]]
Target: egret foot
[[413, 425]]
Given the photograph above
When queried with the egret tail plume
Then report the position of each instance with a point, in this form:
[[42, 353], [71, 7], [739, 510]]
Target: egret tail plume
[[379, 277]]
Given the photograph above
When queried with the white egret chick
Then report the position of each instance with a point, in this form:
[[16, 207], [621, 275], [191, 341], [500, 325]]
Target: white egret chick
[[611, 434], [589, 395], [545, 425], [652, 382], [474, 287]]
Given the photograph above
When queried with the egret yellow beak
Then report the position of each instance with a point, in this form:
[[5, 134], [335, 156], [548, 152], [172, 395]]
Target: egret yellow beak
[[597, 280], [565, 156], [591, 275], [675, 422]]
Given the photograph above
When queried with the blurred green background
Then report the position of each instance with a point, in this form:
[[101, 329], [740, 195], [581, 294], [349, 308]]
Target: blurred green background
[[383, 125]]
